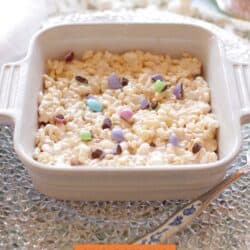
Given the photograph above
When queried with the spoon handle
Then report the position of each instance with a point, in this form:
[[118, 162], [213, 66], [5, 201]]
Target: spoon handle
[[188, 213]]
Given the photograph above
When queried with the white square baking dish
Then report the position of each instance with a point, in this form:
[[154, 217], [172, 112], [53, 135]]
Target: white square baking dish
[[229, 82]]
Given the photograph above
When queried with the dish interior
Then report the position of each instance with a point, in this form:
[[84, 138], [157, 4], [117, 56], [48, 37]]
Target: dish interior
[[172, 39]]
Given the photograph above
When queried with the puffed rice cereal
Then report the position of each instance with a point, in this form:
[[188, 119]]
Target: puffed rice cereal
[[133, 108]]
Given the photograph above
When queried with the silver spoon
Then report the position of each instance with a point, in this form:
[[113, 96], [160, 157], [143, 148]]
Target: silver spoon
[[183, 217]]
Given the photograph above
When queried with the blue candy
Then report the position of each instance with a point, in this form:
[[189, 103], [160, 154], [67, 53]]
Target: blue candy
[[94, 105]]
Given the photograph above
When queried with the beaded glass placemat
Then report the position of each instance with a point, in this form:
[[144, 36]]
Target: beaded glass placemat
[[30, 220]]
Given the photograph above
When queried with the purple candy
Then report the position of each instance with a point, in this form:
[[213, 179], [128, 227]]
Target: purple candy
[[126, 114], [173, 139], [90, 97], [178, 91], [144, 103], [117, 134], [114, 82], [156, 77]]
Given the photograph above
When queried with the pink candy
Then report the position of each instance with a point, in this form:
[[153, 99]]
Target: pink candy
[[126, 114], [59, 118]]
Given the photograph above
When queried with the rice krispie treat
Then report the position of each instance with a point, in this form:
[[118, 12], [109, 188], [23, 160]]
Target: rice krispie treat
[[133, 108]]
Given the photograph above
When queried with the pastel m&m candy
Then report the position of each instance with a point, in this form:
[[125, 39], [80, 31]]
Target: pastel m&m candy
[[144, 103], [94, 105], [114, 82], [126, 114], [85, 135], [174, 140], [159, 86], [178, 91], [59, 118], [117, 134], [156, 77]]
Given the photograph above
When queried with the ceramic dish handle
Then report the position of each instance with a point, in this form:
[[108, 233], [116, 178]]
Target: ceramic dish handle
[[241, 75], [10, 78]]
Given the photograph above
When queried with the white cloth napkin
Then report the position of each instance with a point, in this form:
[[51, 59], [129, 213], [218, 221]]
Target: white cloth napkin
[[19, 20]]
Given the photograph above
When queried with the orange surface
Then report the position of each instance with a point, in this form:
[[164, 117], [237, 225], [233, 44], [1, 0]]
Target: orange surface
[[124, 247]]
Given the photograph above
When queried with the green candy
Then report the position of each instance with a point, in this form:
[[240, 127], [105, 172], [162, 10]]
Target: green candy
[[159, 86], [85, 135]]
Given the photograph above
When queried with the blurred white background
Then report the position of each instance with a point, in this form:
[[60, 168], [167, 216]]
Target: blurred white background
[[20, 19], [18, 22]]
